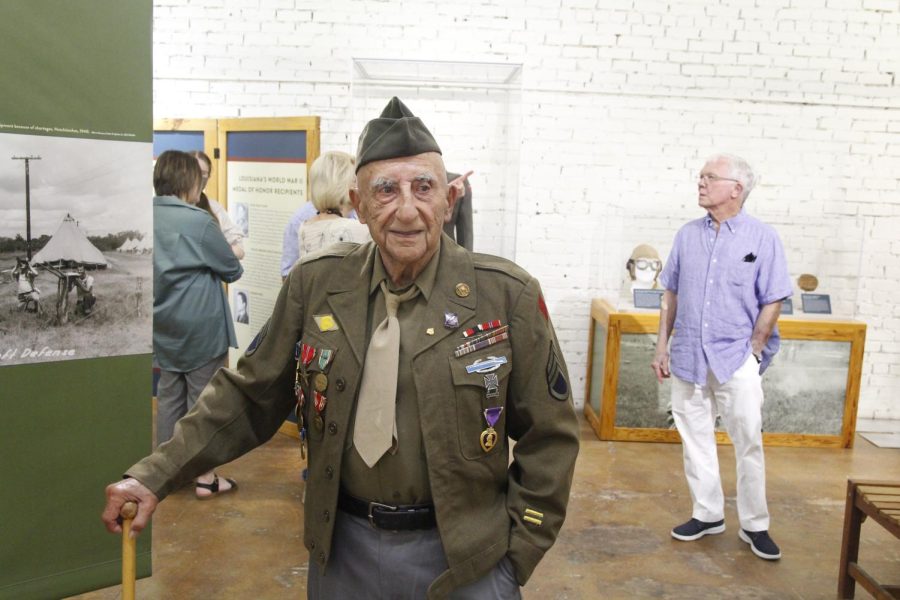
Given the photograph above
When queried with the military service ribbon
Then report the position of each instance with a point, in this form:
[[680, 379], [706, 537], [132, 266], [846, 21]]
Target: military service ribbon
[[486, 326], [325, 357], [482, 341], [319, 400]]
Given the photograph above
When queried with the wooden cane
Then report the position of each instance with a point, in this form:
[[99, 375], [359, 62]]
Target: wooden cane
[[128, 511]]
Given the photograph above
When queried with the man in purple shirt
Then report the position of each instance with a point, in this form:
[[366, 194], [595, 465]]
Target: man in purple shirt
[[724, 283]]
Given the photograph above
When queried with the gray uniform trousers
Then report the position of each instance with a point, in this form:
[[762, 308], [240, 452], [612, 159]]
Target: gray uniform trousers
[[375, 564]]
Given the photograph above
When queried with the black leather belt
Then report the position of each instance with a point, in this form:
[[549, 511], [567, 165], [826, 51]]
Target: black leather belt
[[388, 516]]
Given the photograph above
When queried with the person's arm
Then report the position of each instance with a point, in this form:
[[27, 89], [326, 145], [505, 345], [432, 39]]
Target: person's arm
[[218, 255], [239, 410], [762, 329], [233, 235], [541, 418], [464, 234], [668, 307], [290, 252]]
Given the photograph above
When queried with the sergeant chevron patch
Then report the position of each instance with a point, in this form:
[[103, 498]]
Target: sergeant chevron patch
[[556, 378]]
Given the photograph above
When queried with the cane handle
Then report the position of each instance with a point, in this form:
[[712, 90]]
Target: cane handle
[[129, 510]]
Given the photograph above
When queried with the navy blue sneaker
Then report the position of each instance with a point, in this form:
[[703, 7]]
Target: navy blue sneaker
[[761, 544], [694, 530]]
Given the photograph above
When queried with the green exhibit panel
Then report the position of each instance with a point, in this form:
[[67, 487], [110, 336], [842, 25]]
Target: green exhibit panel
[[76, 287], [68, 429]]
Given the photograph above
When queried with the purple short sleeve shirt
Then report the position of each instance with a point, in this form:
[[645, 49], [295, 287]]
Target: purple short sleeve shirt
[[722, 280]]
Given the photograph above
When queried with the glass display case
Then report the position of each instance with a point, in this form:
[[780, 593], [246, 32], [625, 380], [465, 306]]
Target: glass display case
[[811, 389], [827, 246]]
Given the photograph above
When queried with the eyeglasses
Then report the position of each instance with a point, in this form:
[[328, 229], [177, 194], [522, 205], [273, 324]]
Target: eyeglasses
[[646, 263], [712, 178]]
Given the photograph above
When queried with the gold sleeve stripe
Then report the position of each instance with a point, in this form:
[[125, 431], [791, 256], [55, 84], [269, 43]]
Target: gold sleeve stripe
[[534, 513], [532, 520]]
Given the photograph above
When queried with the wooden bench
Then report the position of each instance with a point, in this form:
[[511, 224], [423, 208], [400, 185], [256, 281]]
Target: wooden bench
[[881, 501]]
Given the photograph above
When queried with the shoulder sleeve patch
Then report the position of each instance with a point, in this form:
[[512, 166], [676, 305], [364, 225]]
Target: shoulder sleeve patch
[[557, 384], [542, 306], [257, 340]]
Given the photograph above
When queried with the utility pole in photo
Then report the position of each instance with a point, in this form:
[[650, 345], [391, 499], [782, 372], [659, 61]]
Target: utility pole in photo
[[27, 160]]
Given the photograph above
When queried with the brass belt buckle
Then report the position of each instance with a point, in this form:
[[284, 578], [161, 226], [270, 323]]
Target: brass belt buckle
[[374, 505]]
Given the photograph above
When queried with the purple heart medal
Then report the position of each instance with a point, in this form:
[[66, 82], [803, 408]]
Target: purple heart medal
[[489, 435]]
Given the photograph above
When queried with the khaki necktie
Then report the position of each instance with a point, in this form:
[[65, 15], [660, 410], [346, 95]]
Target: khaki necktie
[[375, 425]]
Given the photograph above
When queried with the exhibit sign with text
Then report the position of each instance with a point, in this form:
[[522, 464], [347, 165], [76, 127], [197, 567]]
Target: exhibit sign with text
[[76, 284], [266, 183]]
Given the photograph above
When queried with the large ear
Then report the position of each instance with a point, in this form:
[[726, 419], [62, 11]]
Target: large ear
[[452, 196], [356, 201]]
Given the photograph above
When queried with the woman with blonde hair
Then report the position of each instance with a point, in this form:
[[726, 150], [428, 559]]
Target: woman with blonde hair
[[331, 177]]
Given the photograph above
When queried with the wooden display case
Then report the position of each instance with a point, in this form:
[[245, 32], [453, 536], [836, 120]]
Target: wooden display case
[[811, 388]]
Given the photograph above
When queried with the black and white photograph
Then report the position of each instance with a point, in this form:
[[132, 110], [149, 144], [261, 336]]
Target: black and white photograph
[[241, 307], [76, 246], [242, 217]]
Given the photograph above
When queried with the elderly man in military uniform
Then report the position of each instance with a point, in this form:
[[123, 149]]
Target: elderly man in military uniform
[[411, 364]]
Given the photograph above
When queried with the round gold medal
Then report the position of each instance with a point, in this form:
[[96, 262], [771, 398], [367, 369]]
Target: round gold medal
[[321, 382]]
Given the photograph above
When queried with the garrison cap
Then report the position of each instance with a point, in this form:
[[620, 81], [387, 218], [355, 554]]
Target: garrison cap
[[397, 132]]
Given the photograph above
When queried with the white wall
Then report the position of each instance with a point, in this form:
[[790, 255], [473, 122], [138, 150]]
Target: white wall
[[621, 102]]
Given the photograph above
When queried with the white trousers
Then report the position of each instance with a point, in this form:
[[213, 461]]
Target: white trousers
[[739, 402]]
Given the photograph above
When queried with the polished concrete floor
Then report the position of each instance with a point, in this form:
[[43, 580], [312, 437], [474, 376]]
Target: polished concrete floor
[[615, 543]]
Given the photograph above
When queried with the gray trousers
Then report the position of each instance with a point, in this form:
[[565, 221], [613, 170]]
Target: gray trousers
[[176, 394], [374, 564]]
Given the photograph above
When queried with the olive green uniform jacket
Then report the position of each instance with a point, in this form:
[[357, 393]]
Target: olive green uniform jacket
[[486, 507]]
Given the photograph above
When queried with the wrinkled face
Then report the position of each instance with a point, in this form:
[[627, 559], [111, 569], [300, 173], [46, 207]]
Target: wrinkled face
[[404, 202], [716, 189]]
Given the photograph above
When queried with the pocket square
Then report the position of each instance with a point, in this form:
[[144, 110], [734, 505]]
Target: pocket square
[[750, 258]]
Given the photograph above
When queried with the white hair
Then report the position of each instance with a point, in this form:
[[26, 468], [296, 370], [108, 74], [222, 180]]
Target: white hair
[[739, 169]]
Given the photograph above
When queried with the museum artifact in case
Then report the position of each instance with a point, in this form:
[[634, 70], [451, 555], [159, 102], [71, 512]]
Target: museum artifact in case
[[811, 388]]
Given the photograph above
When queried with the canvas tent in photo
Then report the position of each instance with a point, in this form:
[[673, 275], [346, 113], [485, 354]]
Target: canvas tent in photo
[[69, 245]]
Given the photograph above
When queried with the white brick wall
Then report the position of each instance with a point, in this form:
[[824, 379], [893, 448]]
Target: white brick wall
[[620, 106]]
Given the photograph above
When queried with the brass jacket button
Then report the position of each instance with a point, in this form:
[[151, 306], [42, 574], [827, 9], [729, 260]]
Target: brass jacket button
[[340, 384], [329, 472], [332, 428]]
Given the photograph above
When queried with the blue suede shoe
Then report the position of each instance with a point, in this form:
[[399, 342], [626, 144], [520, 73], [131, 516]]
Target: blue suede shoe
[[694, 530], [761, 544]]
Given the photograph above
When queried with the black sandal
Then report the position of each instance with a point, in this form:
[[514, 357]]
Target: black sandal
[[214, 487]]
